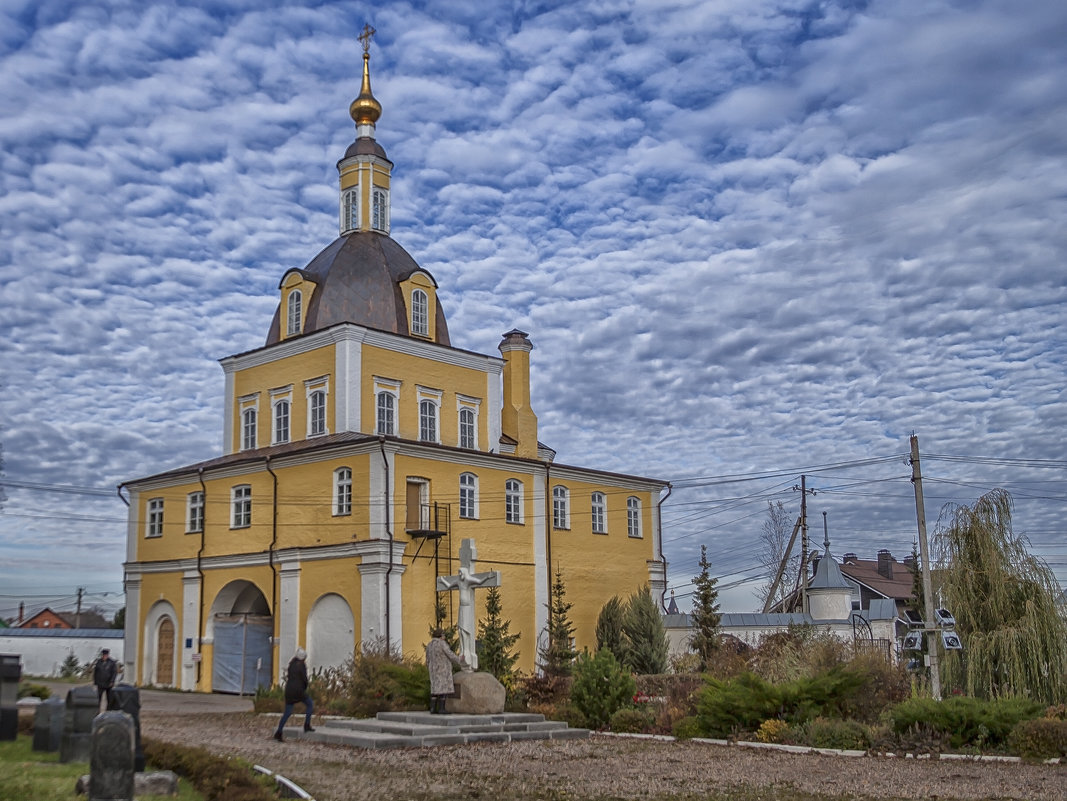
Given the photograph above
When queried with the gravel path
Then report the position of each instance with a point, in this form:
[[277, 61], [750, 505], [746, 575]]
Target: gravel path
[[599, 768]]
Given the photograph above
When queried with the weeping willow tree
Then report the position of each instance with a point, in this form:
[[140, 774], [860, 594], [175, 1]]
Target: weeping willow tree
[[1004, 601]]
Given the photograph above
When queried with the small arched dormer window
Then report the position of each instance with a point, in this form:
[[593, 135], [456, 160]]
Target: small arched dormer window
[[420, 313], [294, 309], [350, 211], [380, 211]]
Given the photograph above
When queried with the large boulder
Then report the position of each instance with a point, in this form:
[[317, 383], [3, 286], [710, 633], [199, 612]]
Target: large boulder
[[476, 694]]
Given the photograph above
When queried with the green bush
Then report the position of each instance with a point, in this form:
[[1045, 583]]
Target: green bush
[[216, 778], [601, 687], [833, 733], [1040, 738], [374, 680], [962, 720], [772, 731], [631, 721], [686, 728], [28, 689]]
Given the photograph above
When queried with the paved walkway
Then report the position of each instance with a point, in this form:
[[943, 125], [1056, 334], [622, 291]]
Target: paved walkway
[[169, 702]]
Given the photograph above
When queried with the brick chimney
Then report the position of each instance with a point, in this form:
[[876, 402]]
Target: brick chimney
[[885, 563], [517, 419]]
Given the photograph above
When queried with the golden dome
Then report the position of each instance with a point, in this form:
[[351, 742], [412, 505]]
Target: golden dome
[[365, 110]]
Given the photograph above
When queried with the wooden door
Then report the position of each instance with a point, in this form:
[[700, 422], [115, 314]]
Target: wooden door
[[165, 653]]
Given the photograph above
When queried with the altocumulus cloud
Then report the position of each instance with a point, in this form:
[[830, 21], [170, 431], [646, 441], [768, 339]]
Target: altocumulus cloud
[[744, 237]]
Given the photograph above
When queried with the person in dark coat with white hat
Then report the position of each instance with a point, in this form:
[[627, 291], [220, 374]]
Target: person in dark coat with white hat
[[296, 692]]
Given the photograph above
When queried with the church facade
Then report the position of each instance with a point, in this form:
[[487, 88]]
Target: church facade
[[359, 449]]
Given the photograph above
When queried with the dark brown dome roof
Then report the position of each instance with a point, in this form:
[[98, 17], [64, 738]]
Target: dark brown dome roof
[[358, 277], [366, 146]]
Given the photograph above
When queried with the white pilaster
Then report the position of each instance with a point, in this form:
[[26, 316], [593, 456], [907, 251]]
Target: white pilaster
[[190, 625], [289, 633], [348, 367], [227, 411], [131, 642], [377, 582], [540, 552]]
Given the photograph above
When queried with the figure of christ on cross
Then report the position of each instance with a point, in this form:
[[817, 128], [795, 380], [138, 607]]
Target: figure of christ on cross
[[466, 582]]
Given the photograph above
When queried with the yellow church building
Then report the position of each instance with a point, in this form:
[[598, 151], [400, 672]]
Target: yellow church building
[[359, 449]]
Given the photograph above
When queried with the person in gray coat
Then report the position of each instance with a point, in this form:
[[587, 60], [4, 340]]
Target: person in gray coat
[[439, 661]]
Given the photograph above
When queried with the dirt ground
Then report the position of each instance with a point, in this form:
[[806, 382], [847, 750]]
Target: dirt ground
[[599, 768]]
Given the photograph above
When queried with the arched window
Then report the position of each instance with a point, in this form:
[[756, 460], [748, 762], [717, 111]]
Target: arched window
[[281, 422], [380, 218], [427, 421], [598, 511], [468, 496], [350, 210], [633, 516], [420, 314], [467, 437], [248, 429], [194, 512], [294, 304], [387, 414], [561, 516], [342, 491], [241, 506], [513, 501], [317, 413]]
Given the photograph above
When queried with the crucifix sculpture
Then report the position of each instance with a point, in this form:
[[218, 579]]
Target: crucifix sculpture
[[466, 582]]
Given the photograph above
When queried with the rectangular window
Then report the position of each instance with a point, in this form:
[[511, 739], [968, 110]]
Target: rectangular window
[[248, 429], [513, 501], [427, 421], [467, 430], [468, 496], [281, 422], [387, 414], [194, 512], [154, 518], [317, 414], [420, 321], [241, 502], [633, 516]]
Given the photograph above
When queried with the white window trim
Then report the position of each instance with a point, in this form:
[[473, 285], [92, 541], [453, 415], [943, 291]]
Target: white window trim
[[153, 519], [382, 223], [566, 508], [194, 501], [598, 513], [294, 327], [389, 386], [473, 490], [424, 329], [336, 506], [278, 397], [234, 500], [633, 513], [434, 396], [349, 211], [244, 404], [311, 386], [473, 405], [520, 502]]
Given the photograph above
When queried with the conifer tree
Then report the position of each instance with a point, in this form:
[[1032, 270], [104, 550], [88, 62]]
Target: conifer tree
[[440, 613], [918, 595], [644, 634], [609, 629], [495, 641], [705, 615], [558, 654], [1004, 600]]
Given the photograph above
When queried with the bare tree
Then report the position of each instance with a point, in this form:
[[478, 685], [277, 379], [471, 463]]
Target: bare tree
[[774, 537]]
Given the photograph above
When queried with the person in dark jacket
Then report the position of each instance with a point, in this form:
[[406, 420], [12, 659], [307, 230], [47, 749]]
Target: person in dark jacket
[[296, 692], [105, 669]]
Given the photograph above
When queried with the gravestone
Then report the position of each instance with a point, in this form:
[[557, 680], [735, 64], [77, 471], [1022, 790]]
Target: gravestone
[[127, 698], [10, 673], [82, 706], [48, 721], [111, 761]]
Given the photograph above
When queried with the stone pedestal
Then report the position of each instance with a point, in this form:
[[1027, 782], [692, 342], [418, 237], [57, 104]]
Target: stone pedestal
[[111, 762], [476, 694], [48, 720]]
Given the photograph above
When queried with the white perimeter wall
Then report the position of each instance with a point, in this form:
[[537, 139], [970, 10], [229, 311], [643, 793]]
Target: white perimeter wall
[[43, 656]]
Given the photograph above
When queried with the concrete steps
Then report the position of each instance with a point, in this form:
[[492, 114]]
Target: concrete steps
[[422, 730]]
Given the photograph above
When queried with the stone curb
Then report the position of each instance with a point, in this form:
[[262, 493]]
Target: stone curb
[[807, 749], [287, 788]]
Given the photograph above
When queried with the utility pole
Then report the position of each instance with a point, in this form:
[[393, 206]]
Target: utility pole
[[78, 614], [924, 554]]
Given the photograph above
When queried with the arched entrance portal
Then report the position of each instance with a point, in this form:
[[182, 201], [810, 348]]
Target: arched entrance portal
[[331, 632], [165, 653], [242, 629]]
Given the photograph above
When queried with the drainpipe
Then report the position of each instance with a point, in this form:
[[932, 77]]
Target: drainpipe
[[273, 543], [389, 534], [548, 527], [662, 558], [200, 574]]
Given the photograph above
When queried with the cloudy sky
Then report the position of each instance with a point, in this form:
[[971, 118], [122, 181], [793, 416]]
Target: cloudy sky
[[749, 239]]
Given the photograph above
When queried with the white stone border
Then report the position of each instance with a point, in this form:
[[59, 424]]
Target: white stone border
[[807, 749]]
